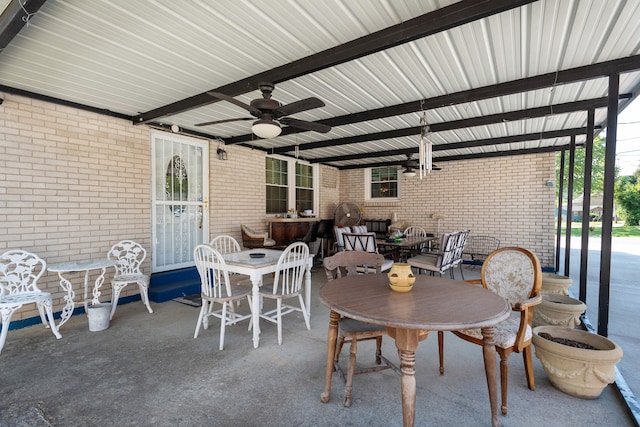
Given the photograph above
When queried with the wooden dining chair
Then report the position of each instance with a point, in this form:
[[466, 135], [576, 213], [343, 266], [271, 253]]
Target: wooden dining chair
[[215, 288], [225, 245], [350, 330], [287, 285], [365, 242], [514, 274]]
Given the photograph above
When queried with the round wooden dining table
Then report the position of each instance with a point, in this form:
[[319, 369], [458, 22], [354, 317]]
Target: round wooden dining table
[[434, 304]]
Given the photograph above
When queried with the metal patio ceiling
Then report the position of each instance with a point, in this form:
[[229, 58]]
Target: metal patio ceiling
[[493, 77]]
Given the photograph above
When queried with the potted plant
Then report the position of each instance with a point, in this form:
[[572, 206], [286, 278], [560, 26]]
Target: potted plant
[[577, 362]]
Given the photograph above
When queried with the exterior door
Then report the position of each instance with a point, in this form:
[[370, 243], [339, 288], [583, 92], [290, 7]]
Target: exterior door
[[180, 206]]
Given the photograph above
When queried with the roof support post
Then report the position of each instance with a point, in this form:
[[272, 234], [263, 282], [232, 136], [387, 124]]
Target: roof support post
[[560, 200], [586, 205], [570, 174], [607, 205]]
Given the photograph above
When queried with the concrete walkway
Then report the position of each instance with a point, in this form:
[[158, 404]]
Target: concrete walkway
[[148, 370]]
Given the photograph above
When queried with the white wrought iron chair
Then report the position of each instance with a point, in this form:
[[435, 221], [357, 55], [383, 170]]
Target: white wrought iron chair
[[350, 330], [129, 256], [19, 274], [287, 284], [215, 287]]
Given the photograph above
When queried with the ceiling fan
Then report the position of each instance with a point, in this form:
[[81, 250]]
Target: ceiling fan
[[271, 114], [410, 165]]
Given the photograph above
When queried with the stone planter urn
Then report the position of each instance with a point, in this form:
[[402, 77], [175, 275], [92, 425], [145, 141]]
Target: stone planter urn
[[558, 310], [580, 372], [555, 284]]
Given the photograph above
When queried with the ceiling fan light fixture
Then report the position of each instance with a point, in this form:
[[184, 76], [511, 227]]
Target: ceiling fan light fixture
[[266, 129], [409, 172]]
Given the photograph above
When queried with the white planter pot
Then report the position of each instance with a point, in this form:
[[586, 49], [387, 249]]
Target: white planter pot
[[558, 310], [555, 283], [579, 372]]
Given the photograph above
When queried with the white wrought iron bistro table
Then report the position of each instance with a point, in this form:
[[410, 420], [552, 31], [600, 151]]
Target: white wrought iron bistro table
[[85, 266], [242, 263]]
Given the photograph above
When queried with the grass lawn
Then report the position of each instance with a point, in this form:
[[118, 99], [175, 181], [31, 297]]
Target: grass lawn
[[618, 230]]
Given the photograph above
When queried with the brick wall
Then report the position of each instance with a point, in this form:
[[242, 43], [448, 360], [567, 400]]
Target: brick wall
[[72, 183], [504, 197]]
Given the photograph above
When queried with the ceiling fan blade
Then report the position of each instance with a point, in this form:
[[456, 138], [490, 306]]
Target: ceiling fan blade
[[215, 122], [303, 124], [298, 106], [232, 100]]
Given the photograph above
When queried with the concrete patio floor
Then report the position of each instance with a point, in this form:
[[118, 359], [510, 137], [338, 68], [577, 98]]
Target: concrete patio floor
[[147, 369]]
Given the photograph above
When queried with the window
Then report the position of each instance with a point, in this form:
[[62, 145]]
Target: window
[[382, 183], [277, 183], [289, 185], [304, 186]]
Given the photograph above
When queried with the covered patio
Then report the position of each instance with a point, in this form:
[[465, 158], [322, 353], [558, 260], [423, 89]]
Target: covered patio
[[96, 95]]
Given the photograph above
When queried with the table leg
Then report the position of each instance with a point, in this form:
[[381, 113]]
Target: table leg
[[489, 354], [407, 341], [307, 286], [67, 310], [97, 286], [255, 312], [332, 338]]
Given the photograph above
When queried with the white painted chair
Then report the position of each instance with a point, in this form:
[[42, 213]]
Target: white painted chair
[[129, 256], [215, 288], [19, 274], [287, 284]]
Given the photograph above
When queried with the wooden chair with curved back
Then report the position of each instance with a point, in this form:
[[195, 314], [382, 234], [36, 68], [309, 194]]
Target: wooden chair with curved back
[[350, 330], [514, 274]]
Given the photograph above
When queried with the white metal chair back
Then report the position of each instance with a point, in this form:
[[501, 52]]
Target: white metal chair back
[[212, 268], [19, 274], [291, 269], [415, 231], [225, 244], [129, 256]]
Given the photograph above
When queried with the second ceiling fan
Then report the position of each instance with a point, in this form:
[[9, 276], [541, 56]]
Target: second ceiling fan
[[270, 114]]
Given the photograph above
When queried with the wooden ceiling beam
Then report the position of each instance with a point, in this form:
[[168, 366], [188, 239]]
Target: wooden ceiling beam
[[439, 20]]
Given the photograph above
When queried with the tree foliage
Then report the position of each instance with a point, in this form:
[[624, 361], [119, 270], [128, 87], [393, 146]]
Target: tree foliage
[[627, 194], [597, 169]]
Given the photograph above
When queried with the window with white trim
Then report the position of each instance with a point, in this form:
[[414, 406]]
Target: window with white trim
[[290, 184], [382, 183]]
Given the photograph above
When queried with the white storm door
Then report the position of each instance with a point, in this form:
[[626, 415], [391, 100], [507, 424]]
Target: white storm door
[[180, 193]]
